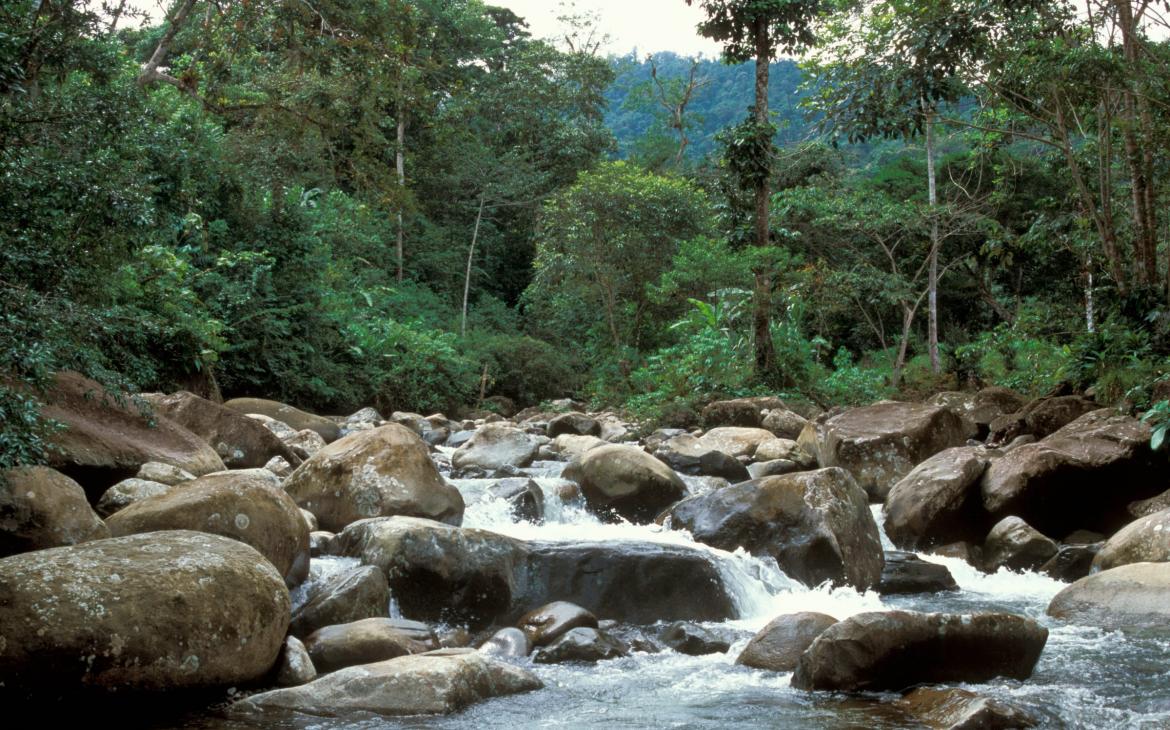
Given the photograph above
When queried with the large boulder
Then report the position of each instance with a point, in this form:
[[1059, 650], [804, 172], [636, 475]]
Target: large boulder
[[784, 423], [1040, 418], [1016, 545], [1145, 541], [340, 598], [939, 501], [687, 454], [380, 473], [108, 437], [494, 446], [778, 646], [294, 417], [630, 582], [241, 442], [906, 573], [950, 708], [735, 441], [746, 412], [158, 612], [127, 492], [1081, 477], [1130, 596], [42, 508], [982, 407], [437, 572], [239, 506], [570, 446], [364, 641], [881, 443], [435, 683], [626, 482], [898, 649], [817, 525]]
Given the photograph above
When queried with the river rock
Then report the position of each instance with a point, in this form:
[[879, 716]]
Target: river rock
[[294, 417], [366, 415], [571, 446], [509, 642], [365, 641], [295, 666], [42, 508], [787, 449], [494, 446], [153, 471], [906, 573], [384, 472], [631, 582], [894, 650], [1145, 541], [625, 481], [1016, 545], [745, 412], [1146, 507], [817, 525], [549, 622], [1071, 562], [1081, 477], [688, 455], [107, 438], [939, 501], [280, 429], [320, 543], [306, 442], [240, 441], [1040, 418], [735, 441], [784, 423], [127, 492], [523, 495], [687, 638], [581, 645], [159, 612], [983, 407], [949, 708], [1129, 596], [342, 598], [880, 444], [778, 646], [775, 468], [435, 683], [573, 423], [437, 572], [242, 507]]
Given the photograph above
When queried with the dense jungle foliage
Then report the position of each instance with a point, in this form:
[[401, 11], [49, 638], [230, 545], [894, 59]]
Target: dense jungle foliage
[[415, 204]]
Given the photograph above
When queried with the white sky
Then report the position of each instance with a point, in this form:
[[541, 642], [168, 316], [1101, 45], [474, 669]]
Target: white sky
[[648, 25]]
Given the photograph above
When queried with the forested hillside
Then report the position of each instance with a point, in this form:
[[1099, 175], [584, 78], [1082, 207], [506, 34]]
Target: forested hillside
[[414, 204]]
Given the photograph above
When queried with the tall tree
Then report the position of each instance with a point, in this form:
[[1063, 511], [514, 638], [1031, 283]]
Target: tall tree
[[759, 30]]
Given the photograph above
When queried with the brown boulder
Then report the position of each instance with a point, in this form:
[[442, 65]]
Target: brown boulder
[[949, 708], [1016, 545], [746, 412], [107, 437], [939, 501], [625, 481], [817, 525], [384, 472], [342, 598], [1130, 596], [1040, 418], [241, 442], [547, 623], [127, 492], [1081, 477], [359, 642], [158, 612], [1145, 541], [880, 444], [239, 506], [42, 508], [294, 417], [778, 646]]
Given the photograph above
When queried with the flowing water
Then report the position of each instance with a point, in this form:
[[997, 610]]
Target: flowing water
[[1086, 678]]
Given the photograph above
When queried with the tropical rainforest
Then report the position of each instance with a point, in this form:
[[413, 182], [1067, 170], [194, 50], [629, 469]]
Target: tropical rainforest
[[417, 205]]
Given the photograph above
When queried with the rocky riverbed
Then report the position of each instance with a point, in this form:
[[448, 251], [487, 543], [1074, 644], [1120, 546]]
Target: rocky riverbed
[[973, 561]]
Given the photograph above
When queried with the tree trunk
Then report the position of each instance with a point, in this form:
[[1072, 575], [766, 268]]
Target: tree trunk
[[467, 278], [903, 345], [935, 245], [400, 166], [1136, 135], [762, 293]]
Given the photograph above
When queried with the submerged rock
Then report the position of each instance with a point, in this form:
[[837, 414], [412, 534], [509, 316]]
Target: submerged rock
[[581, 645], [549, 622], [898, 649], [817, 525], [165, 611], [380, 473], [435, 683], [959, 709], [778, 646], [687, 638], [906, 573]]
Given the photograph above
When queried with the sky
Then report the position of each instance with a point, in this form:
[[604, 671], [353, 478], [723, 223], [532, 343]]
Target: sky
[[647, 25]]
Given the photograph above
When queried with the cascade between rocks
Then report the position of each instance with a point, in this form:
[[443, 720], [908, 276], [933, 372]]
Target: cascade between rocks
[[1087, 677]]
